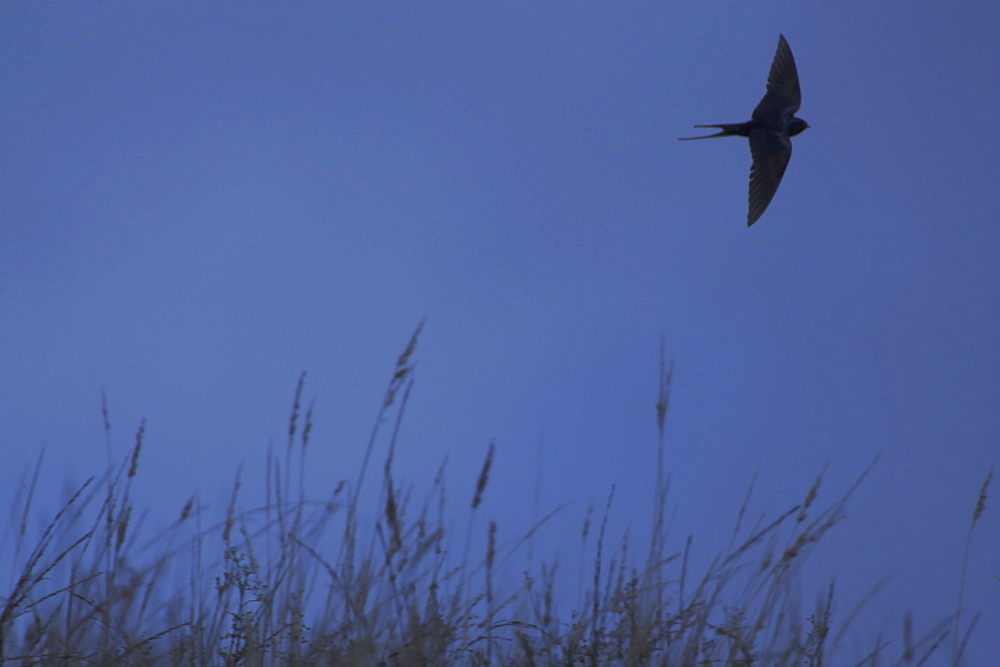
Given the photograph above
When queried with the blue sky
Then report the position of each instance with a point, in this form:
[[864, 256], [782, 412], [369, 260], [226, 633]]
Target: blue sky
[[200, 201]]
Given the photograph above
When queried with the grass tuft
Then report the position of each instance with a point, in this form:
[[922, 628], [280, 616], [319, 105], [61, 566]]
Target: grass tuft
[[296, 580]]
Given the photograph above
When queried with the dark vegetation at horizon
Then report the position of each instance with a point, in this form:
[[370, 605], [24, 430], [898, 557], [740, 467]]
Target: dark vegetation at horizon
[[261, 586]]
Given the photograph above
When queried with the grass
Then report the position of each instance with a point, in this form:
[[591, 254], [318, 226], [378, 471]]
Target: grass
[[300, 581]]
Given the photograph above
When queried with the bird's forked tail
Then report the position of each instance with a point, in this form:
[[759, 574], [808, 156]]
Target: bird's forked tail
[[728, 130]]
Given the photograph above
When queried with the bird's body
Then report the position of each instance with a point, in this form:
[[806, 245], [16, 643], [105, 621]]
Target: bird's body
[[769, 129]]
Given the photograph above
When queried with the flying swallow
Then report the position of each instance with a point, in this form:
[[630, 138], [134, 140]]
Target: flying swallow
[[769, 129]]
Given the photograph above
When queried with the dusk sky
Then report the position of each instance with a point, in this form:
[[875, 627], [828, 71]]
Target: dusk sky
[[201, 201]]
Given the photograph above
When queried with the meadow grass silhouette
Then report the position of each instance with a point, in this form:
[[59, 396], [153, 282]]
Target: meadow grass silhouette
[[302, 581]]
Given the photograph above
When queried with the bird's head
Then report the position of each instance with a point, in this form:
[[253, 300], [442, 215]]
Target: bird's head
[[796, 125]]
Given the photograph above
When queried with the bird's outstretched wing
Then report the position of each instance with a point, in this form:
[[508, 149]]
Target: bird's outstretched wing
[[783, 95], [771, 152]]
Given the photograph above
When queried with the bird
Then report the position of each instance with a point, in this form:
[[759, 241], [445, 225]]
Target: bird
[[769, 130]]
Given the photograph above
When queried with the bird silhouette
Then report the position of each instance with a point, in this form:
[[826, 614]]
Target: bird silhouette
[[769, 129]]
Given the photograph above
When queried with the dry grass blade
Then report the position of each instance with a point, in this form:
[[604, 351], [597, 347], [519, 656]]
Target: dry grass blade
[[977, 512], [484, 475]]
